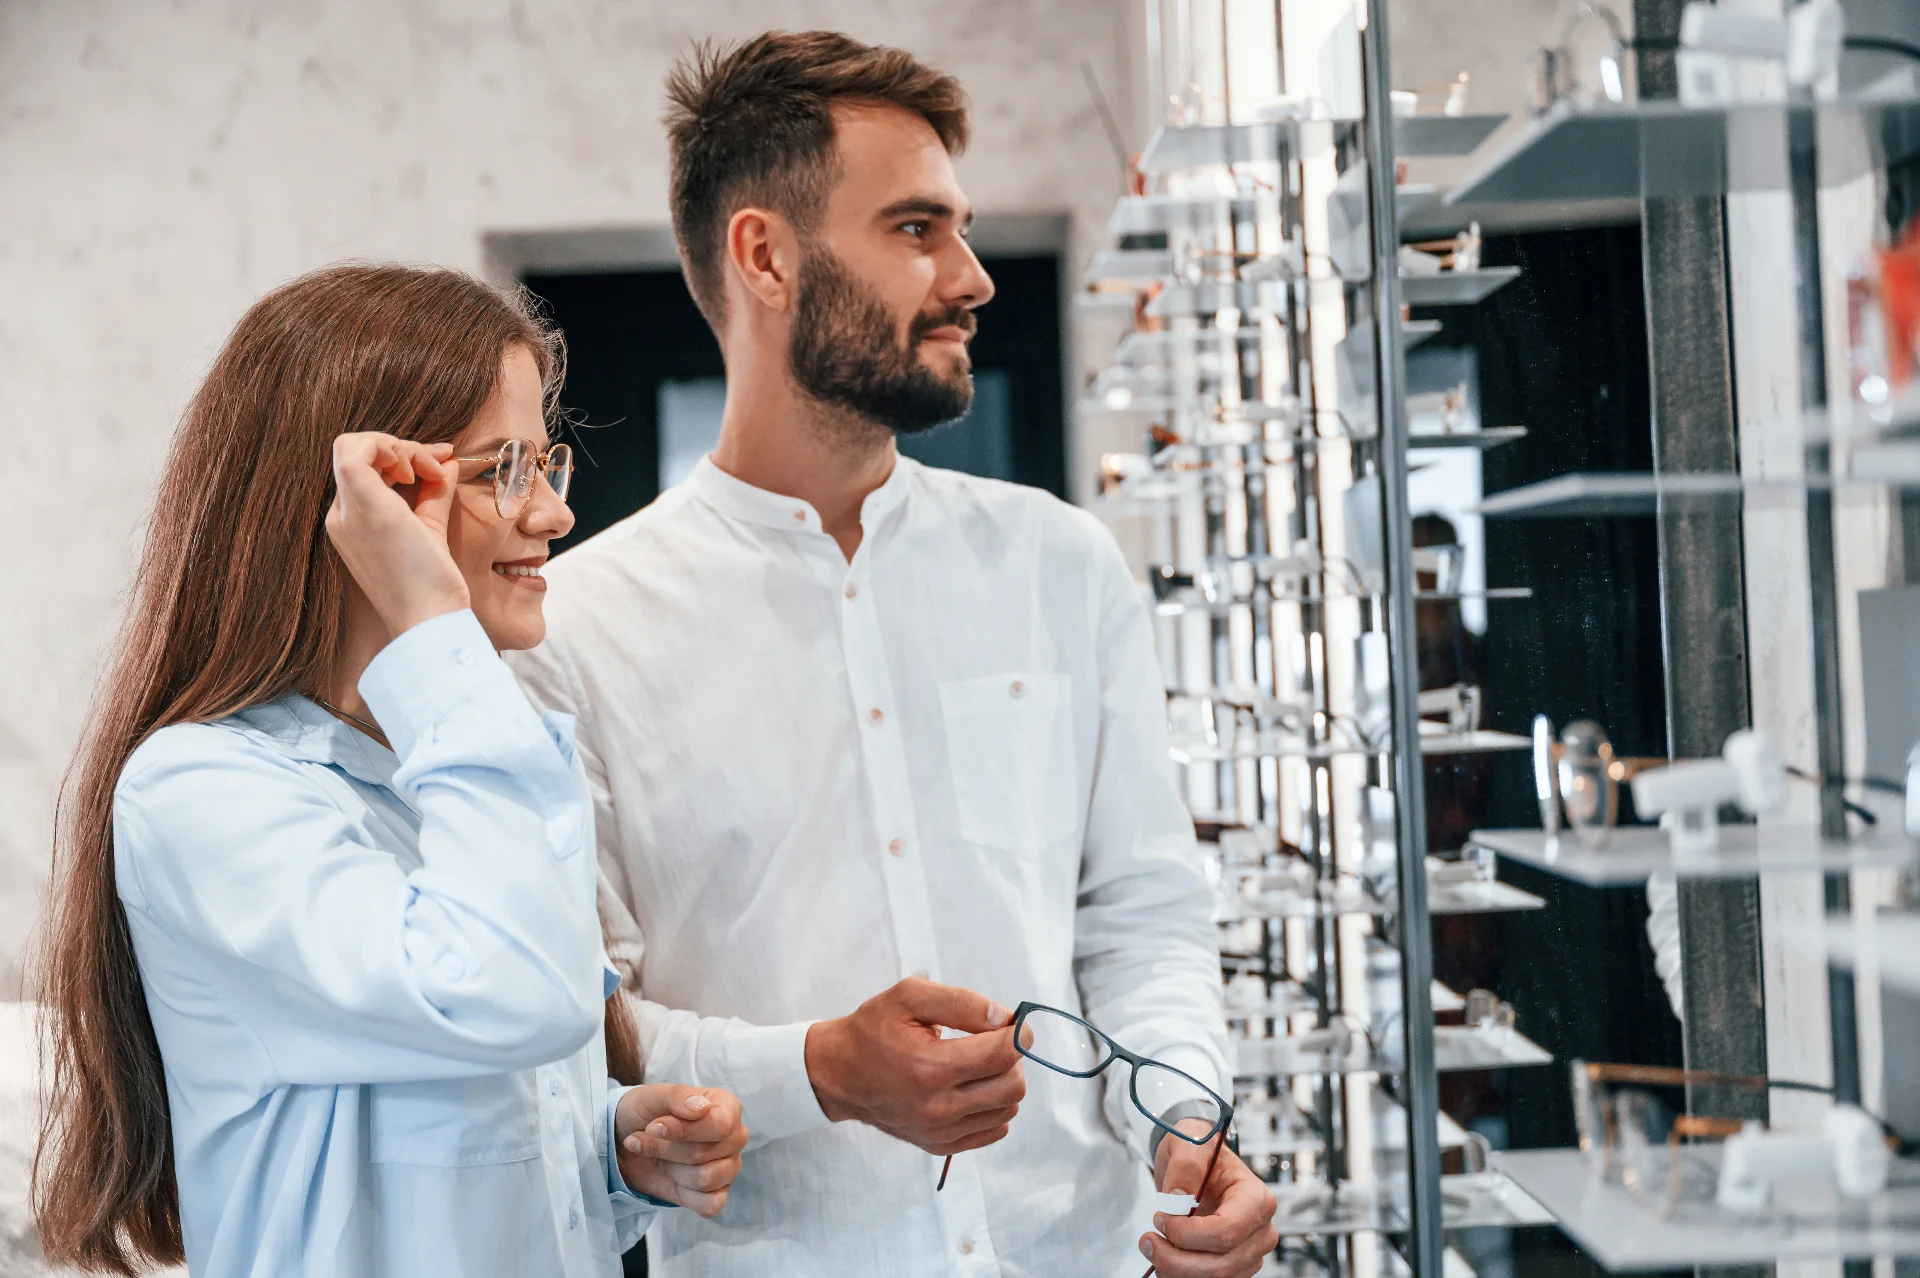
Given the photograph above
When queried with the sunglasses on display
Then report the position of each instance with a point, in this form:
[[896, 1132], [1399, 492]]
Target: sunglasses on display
[[515, 468]]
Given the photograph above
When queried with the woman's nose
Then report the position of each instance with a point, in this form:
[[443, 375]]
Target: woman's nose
[[547, 515]]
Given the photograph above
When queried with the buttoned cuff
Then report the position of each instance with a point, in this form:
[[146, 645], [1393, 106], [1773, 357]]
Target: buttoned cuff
[[617, 1186], [424, 674], [766, 1067]]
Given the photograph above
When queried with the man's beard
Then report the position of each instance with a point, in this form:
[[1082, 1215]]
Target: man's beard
[[845, 353]]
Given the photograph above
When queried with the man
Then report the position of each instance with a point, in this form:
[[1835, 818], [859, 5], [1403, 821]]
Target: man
[[879, 751]]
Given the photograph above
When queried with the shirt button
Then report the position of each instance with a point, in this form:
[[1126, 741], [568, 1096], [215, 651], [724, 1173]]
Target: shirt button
[[464, 656], [573, 1218], [966, 1246], [1016, 689], [799, 516], [875, 717], [898, 847], [852, 590], [553, 1087]]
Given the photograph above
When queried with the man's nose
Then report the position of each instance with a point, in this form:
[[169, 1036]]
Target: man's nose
[[970, 285]]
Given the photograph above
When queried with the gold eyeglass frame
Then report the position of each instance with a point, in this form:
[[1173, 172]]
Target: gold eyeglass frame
[[540, 466]]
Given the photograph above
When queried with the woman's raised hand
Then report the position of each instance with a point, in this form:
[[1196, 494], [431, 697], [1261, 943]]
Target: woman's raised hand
[[392, 501]]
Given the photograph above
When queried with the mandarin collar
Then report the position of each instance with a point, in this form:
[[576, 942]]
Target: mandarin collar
[[737, 499]]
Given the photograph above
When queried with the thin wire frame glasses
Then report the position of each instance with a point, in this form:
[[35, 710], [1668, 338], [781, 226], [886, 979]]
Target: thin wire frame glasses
[[516, 467]]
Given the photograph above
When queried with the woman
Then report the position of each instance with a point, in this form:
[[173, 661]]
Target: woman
[[323, 951]]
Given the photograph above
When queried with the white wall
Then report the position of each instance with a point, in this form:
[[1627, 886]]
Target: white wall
[[162, 165]]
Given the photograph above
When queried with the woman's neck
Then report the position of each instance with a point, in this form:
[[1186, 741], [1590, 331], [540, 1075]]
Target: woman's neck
[[363, 637]]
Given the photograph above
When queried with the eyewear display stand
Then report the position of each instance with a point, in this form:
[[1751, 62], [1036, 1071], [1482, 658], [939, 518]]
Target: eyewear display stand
[[1258, 255], [1851, 452]]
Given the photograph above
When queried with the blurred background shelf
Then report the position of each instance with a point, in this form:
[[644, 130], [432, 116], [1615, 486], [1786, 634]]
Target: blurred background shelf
[[1629, 854], [1806, 1220]]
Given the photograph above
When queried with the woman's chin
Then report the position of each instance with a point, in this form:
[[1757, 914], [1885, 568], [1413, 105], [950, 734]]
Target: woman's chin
[[513, 628]]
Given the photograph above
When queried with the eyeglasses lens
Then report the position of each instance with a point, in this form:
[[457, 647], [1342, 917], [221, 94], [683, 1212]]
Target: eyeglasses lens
[[1641, 1124], [1061, 1042], [560, 470], [1585, 783], [513, 479], [1159, 1089]]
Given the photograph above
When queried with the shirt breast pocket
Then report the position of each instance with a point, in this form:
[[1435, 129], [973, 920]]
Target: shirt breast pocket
[[1010, 746], [456, 1122]]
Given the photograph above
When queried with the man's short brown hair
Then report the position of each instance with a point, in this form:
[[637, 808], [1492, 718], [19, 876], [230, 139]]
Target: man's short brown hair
[[752, 124]]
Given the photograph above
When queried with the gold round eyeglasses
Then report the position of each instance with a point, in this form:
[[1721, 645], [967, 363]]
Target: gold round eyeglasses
[[516, 468]]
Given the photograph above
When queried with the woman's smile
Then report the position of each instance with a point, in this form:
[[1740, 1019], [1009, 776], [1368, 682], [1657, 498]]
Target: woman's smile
[[524, 573]]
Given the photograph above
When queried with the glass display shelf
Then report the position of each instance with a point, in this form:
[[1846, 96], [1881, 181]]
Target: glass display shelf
[[1185, 601], [1589, 496], [1456, 1049], [1455, 288], [1252, 1004], [1148, 214], [1889, 938], [1444, 896], [1129, 266], [1174, 147], [1434, 740], [1275, 1127], [1807, 1220], [1476, 1200], [1431, 136], [1358, 343], [1484, 439], [1253, 298], [1479, 897], [1628, 854], [1665, 149], [1152, 350]]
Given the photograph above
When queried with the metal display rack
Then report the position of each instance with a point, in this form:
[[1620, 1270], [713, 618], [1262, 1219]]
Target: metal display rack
[[1259, 258]]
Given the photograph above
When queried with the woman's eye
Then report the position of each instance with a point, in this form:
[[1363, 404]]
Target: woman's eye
[[488, 474]]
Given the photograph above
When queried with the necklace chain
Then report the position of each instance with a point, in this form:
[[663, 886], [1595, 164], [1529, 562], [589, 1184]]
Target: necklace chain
[[373, 729]]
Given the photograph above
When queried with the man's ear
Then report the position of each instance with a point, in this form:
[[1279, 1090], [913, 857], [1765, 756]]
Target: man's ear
[[763, 254]]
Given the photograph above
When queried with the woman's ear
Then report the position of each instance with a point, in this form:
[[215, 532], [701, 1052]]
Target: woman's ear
[[763, 253]]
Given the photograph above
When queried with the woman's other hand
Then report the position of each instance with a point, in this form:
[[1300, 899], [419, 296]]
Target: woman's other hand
[[392, 502], [680, 1144]]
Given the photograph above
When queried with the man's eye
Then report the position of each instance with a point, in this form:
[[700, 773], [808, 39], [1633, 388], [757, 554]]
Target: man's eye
[[915, 229]]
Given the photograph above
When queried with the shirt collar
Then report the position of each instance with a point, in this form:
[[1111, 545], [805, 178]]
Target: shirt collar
[[737, 499], [300, 729]]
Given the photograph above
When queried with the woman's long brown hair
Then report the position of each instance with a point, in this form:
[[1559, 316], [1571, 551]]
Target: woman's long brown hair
[[239, 599]]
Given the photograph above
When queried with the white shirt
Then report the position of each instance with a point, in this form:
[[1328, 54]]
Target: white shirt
[[377, 978], [814, 778]]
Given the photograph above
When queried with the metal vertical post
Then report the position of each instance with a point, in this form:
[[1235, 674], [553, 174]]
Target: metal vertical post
[[1803, 165], [1425, 1241]]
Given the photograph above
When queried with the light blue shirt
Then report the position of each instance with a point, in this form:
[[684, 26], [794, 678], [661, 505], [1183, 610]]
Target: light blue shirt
[[377, 980]]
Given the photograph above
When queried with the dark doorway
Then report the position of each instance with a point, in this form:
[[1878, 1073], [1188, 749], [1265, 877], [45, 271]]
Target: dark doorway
[[645, 375]]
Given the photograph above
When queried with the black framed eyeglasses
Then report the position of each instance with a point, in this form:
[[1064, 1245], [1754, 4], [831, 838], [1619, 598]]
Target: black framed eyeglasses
[[1068, 1045]]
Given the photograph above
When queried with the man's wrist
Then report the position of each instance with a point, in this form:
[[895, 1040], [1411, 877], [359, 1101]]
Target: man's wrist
[[822, 1060]]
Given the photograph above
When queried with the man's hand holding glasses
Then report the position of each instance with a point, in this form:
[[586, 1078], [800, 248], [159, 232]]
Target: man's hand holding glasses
[[888, 1065], [1231, 1229]]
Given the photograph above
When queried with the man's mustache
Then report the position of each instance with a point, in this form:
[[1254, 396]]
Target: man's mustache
[[957, 317]]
